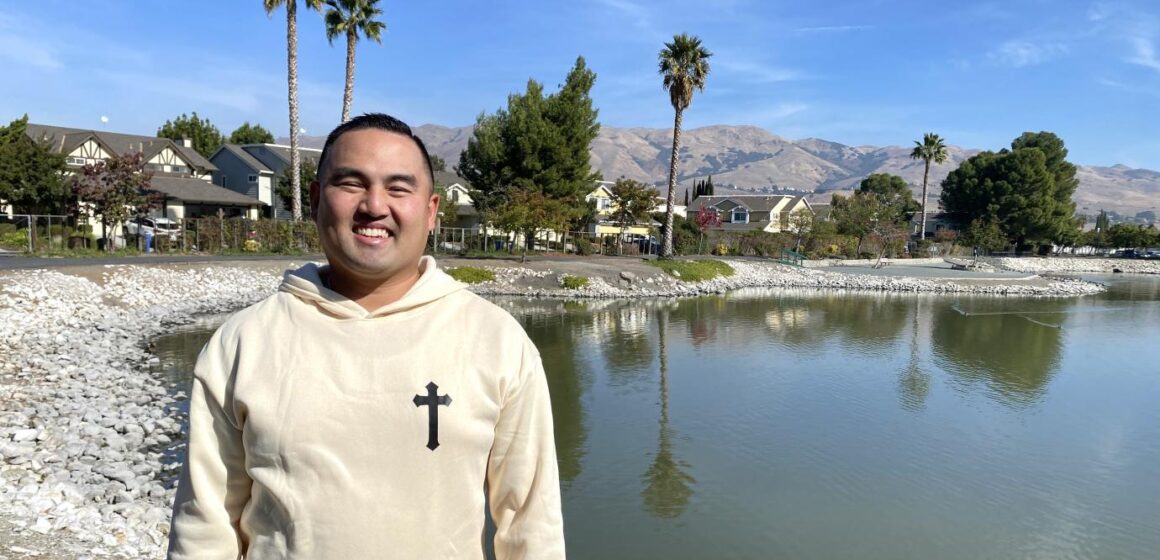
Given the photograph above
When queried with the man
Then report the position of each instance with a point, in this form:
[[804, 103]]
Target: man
[[362, 411]]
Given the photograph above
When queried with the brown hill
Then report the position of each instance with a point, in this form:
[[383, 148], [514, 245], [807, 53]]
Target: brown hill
[[748, 158]]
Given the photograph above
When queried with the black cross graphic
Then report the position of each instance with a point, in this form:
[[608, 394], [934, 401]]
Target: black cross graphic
[[432, 400]]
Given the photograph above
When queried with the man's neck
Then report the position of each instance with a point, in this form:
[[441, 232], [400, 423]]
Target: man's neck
[[372, 294]]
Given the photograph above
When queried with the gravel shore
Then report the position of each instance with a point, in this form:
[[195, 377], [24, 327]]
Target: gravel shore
[[1068, 265], [87, 432]]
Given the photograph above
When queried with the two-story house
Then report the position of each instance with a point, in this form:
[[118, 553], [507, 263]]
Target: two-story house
[[180, 176], [255, 169], [769, 213], [602, 200]]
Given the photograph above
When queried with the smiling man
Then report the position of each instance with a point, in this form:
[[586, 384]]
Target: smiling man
[[371, 408]]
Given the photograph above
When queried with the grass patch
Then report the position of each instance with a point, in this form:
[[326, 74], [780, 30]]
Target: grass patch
[[574, 282], [471, 274], [693, 271]]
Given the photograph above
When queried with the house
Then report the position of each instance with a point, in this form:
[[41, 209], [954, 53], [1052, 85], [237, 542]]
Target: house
[[769, 213], [935, 222], [601, 200], [255, 169], [181, 176], [459, 195]]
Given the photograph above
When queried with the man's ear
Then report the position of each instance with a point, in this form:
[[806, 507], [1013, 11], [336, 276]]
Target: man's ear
[[315, 194], [432, 211]]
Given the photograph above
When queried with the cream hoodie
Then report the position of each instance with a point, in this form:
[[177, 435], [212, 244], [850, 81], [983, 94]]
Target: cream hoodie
[[310, 430]]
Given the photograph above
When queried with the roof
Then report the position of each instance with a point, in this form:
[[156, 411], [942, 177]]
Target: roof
[[249, 160], [283, 152], [65, 140], [822, 210], [187, 189], [756, 203], [447, 178]]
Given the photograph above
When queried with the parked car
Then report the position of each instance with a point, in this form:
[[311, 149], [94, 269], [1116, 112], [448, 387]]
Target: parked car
[[162, 227]]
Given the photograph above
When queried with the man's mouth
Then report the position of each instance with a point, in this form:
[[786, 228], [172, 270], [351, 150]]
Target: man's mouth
[[372, 232]]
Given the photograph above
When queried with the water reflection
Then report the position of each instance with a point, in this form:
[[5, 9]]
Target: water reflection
[[558, 336], [1011, 354], [914, 381], [668, 485]]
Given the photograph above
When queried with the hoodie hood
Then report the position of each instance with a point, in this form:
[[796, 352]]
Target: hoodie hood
[[306, 284]]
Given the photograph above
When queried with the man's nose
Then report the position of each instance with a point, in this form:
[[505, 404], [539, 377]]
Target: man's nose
[[375, 202]]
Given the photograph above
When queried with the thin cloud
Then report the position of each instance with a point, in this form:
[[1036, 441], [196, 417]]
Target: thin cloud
[[22, 51], [1020, 53], [640, 16], [760, 73], [1144, 53]]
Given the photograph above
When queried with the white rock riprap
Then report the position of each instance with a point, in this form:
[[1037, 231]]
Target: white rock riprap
[[84, 425], [1073, 265], [772, 275]]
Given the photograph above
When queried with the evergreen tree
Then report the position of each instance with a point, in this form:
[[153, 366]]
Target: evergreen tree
[[1025, 191], [709, 187], [251, 134], [538, 144], [31, 173], [1102, 221], [206, 137]]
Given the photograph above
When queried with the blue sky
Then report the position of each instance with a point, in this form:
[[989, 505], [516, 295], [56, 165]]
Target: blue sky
[[858, 72]]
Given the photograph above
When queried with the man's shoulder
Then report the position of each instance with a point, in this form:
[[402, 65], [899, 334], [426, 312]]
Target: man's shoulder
[[479, 310], [264, 314]]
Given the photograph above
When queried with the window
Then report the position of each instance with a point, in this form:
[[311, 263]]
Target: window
[[154, 167], [76, 160], [252, 179], [180, 169], [740, 215], [603, 203], [455, 196]]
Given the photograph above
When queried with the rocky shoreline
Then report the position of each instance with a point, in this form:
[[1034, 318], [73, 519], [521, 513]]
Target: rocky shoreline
[[86, 427], [1048, 265]]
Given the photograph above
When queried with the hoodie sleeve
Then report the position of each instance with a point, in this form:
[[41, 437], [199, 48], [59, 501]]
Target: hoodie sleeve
[[214, 487], [523, 480]]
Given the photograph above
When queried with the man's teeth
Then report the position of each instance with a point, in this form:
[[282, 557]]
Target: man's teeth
[[372, 232]]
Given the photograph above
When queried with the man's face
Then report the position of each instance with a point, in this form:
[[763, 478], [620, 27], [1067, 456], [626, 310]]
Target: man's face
[[375, 205]]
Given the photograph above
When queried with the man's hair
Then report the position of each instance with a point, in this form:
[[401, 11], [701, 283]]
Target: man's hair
[[379, 121]]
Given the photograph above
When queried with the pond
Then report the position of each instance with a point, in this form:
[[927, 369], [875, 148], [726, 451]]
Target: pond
[[796, 424]]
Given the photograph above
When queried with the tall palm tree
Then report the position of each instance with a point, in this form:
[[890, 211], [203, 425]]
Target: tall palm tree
[[930, 149], [292, 81], [348, 18], [684, 65]]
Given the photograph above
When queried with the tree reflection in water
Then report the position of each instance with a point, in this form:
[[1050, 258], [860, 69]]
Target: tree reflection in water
[[558, 337], [668, 487], [1012, 354]]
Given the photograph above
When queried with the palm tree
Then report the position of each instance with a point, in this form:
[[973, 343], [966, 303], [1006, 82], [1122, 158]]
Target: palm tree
[[930, 149], [349, 17], [684, 64], [292, 80]]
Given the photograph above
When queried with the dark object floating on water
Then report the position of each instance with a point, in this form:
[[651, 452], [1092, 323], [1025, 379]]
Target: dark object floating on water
[[1117, 271]]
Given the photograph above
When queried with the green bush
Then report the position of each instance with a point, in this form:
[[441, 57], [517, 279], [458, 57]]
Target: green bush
[[17, 240], [693, 271], [7, 228], [471, 274], [574, 282], [585, 247]]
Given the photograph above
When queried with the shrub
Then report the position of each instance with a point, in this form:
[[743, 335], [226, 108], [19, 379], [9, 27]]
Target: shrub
[[693, 271], [573, 282], [471, 274], [585, 247]]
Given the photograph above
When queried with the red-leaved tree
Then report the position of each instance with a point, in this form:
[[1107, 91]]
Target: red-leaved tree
[[114, 189]]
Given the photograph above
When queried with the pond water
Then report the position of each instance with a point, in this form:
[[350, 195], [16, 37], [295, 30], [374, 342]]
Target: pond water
[[795, 424]]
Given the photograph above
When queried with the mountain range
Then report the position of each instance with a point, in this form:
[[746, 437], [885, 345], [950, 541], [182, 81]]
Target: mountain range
[[752, 159]]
